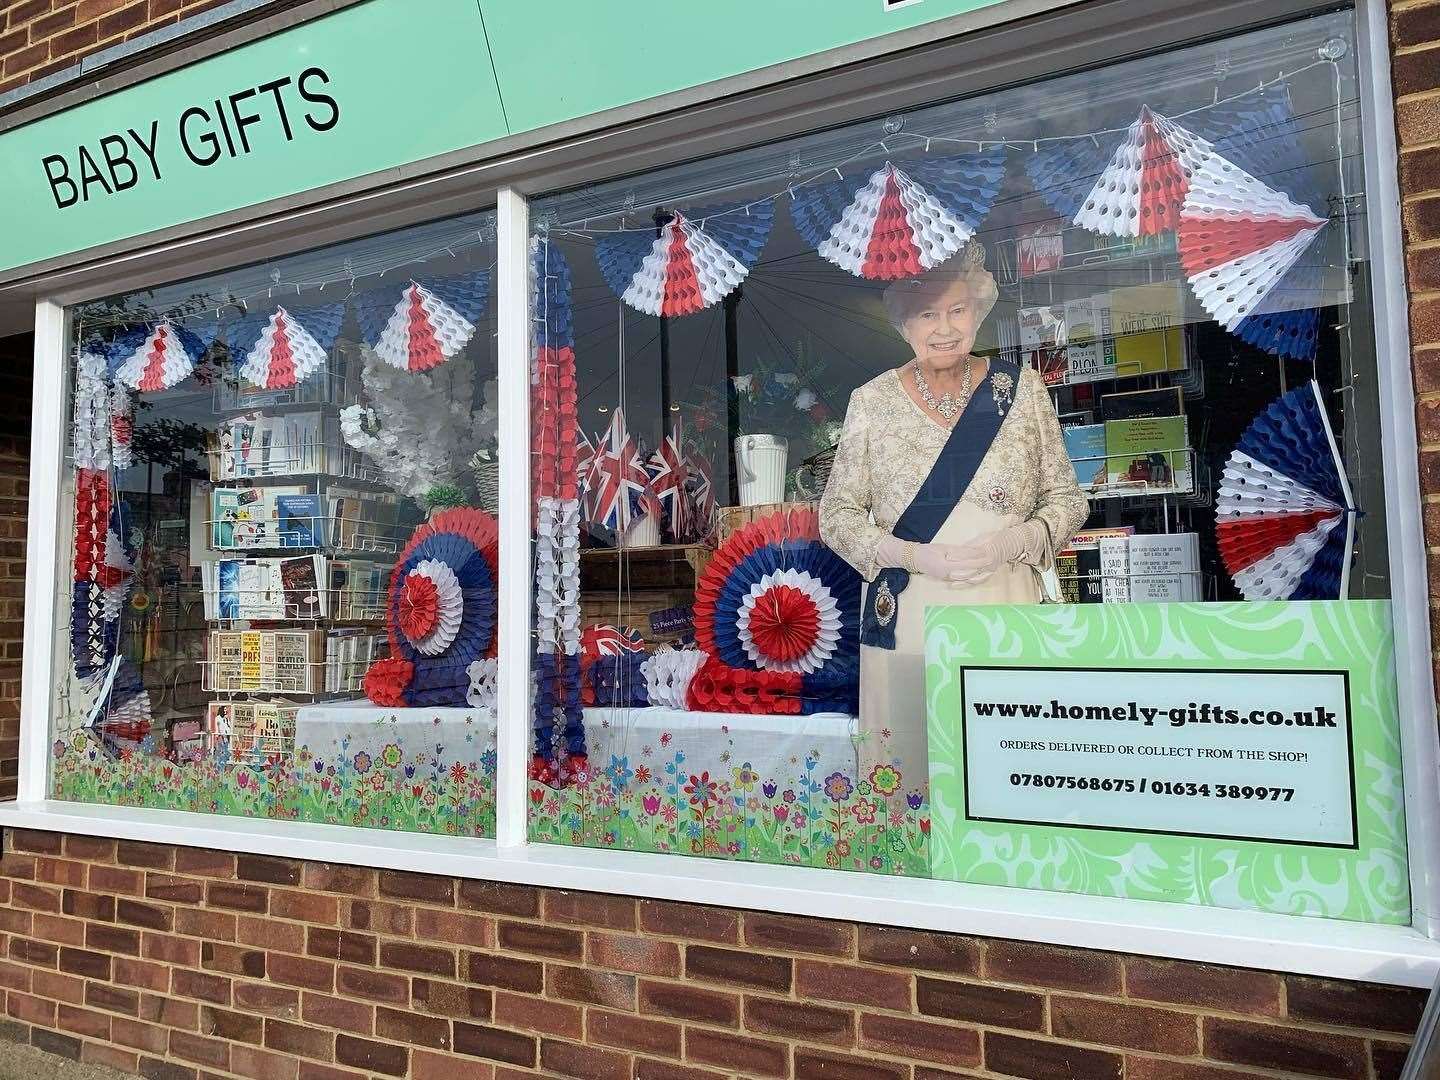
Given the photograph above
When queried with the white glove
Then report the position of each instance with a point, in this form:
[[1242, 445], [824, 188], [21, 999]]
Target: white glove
[[966, 564]]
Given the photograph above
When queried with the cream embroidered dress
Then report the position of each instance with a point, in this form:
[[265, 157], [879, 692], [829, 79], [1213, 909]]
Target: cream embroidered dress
[[887, 448]]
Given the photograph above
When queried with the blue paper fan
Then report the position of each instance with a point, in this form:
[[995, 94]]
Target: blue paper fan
[[1063, 173], [1284, 513]]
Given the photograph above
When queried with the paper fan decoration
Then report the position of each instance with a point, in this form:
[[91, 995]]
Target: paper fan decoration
[[280, 350], [1284, 514], [1243, 246], [442, 609], [1141, 191], [697, 260], [899, 220], [775, 598], [158, 356], [1064, 172], [427, 323]]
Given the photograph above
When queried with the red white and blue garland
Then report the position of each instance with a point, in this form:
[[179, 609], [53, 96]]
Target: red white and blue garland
[[279, 350], [901, 219], [776, 601], [158, 355], [1285, 518], [699, 257], [425, 324]]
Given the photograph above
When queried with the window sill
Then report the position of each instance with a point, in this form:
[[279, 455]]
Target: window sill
[[1385, 954]]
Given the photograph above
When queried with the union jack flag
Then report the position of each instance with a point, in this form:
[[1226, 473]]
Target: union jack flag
[[620, 489], [702, 494], [605, 640], [585, 454], [668, 476]]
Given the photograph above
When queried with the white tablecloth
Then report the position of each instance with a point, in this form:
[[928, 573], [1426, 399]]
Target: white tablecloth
[[774, 746]]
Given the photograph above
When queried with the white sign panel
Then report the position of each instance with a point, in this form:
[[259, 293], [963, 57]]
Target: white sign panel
[[1256, 755]]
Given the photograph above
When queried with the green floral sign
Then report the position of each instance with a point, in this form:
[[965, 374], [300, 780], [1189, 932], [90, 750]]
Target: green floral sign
[[1353, 867]]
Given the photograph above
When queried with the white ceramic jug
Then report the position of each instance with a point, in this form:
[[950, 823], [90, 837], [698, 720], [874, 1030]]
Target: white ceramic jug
[[760, 467]]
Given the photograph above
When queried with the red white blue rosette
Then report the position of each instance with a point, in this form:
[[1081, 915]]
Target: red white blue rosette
[[281, 349], [157, 356], [1243, 246], [901, 219], [1142, 189], [426, 323], [775, 599], [1284, 513], [442, 610], [698, 258]]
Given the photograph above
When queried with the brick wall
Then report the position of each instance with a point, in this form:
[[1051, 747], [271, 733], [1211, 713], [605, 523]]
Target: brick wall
[[15, 368], [181, 963]]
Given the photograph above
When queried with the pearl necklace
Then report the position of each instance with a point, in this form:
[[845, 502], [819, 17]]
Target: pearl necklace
[[948, 406]]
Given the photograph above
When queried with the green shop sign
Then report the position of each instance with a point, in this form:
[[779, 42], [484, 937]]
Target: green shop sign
[[378, 85], [1239, 755]]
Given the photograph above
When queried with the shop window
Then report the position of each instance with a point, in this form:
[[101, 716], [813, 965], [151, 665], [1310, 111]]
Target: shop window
[[283, 483], [1057, 383]]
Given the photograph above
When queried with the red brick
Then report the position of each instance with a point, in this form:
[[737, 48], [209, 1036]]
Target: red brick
[[853, 984], [1053, 966], [799, 1020], [495, 1044], [138, 1035], [624, 1032], [408, 1027], [334, 1012], [294, 1039], [111, 1057], [197, 1048], [977, 1003], [30, 1009], [35, 897], [112, 938], [1388, 1059], [112, 999], [375, 1056], [257, 1064], [266, 1000], [757, 971], [345, 945], [552, 942], [827, 1065], [91, 965], [55, 929], [456, 927], [1032, 1059], [650, 1069], [234, 1026], [93, 1025], [89, 848], [332, 877], [424, 959], [149, 856], [689, 1003], [1222, 989], [117, 880], [148, 916], [170, 949], [396, 920], [1415, 26], [694, 922], [499, 898], [1356, 1005], [197, 922], [273, 935], [252, 898], [54, 1043], [920, 1039], [1134, 1027], [170, 1012], [591, 909], [1421, 217], [582, 1062], [203, 862], [174, 890], [539, 1015], [451, 999], [1150, 1068], [35, 953], [427, 1065], [232, 960], [429, 888], [58, 987], [14, 977], [1415, 72], [627, 952], [526, 976], [267, 869], [60, 872], [300, 971], [1273, 1047], [197, 984], [35, 842], [312, 1070], [147, 976], [740, 1053], [305, 907], [794, 933], [372, 985]]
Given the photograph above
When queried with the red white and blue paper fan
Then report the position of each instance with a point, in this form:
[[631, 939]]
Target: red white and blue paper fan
[[1284, 513], [1142, 189], [1064, 171], [1243, 246], [157, 356], [775, 598], [426, 323], [281, 349], [901, 219], [441, 614], [697, 260]]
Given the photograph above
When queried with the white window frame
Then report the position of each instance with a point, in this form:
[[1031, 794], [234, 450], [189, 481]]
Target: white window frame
[[1407, 955]]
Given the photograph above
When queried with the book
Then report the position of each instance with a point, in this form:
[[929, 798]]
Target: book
[[248, 517], [1115, 569], [301, 522], [1042, 333], [1089, 345], [1085, 446], [1164, 567], [253, 444], [300, 579], [1147, 322], [1150, 454], [1067, 569]]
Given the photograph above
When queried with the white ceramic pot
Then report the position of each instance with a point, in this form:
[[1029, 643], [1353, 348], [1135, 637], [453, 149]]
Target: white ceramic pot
[[760, 466]]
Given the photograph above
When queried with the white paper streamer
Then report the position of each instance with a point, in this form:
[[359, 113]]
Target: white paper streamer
[[668, 673]]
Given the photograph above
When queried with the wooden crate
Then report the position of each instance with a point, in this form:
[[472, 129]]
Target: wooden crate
[[735, 518], [622, 586]]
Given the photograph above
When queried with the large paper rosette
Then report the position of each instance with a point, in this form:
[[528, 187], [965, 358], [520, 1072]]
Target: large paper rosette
[[1284, 513], [442, 609], [901, 219], [775, 599]]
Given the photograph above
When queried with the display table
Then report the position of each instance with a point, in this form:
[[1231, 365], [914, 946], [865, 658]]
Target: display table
[[713, 742]]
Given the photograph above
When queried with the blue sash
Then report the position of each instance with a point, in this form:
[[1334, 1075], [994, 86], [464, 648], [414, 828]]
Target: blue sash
[[970, 440]]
